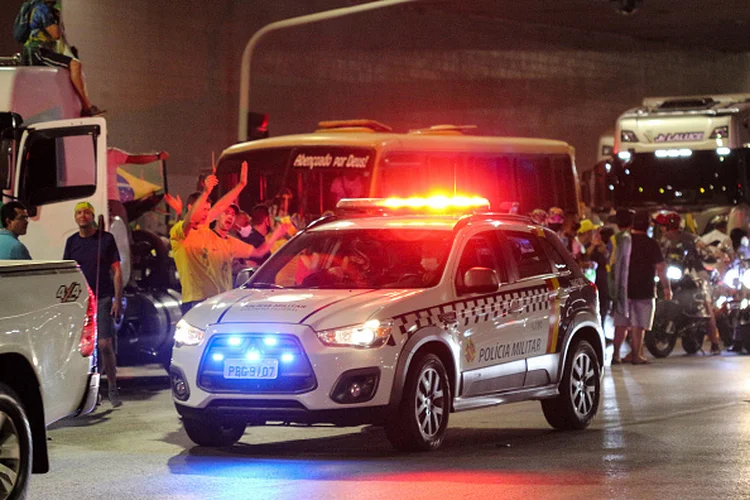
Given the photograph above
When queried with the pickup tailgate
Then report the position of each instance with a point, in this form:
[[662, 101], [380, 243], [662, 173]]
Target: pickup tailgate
[[42, 313]]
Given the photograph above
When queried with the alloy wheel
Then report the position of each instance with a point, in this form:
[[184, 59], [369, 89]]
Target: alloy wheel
[[430, 403], [10, 455], [583, 384]]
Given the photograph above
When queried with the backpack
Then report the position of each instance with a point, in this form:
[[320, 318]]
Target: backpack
[[21, 28]]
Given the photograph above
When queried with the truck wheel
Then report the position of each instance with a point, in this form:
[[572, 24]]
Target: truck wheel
[[422, 416], [15, 446], [580, 390], [204, 432]]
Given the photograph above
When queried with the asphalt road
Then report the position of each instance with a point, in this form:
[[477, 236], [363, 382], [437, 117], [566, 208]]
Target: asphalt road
[[678, 428]]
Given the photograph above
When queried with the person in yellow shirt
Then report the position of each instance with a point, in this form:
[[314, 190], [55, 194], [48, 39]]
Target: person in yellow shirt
[[204, 255]]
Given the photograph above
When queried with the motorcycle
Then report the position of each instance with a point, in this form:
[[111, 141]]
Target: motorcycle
[[685, 316], [732, 306]]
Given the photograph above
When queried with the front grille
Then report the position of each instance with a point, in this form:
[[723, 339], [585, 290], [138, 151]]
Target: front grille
[[295, 374]]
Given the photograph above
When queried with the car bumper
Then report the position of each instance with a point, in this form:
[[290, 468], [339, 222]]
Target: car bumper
[[88, 403]]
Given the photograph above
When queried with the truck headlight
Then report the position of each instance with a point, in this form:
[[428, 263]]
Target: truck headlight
[[674, 273], [373, 333], [186, 334]]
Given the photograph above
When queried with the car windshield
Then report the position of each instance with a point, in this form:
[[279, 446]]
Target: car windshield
[[358, 258]]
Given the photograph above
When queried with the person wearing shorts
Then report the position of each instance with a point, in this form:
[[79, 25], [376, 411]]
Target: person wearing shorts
[[646, 261], [96, 252], [40, 50]]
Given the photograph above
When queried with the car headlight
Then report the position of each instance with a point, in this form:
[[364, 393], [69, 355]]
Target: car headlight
[[186, 334], [674, 273], [373, 333]]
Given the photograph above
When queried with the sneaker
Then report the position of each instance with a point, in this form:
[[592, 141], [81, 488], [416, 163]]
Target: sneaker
[[114, 398], [715, 350], [92, 111]]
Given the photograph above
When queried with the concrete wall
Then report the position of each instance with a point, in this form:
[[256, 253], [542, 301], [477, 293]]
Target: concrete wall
[[168, 73]]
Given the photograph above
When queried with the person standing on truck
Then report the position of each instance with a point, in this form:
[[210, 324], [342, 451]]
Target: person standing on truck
[[116, 158], [203, 255], [40, 50], [15, 222], [96, 252]]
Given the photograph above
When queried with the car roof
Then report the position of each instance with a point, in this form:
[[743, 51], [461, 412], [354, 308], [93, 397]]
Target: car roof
[[422, 221]]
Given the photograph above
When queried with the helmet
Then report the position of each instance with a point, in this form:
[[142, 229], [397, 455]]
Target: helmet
[[670, 220]]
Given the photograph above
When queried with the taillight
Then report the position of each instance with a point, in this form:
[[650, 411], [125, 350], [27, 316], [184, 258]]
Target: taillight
[[88, 335]]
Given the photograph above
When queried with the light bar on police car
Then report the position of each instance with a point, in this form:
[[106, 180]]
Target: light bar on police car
[[432, 203]]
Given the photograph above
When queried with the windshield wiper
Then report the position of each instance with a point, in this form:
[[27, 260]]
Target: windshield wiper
[[264, 285]]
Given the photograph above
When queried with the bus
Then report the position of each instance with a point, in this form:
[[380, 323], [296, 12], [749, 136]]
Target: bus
[[364, 158], [689, 154]]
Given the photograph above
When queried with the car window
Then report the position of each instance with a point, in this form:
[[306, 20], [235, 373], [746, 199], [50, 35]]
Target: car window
[[482, 250], [528, 254], [558, 261]]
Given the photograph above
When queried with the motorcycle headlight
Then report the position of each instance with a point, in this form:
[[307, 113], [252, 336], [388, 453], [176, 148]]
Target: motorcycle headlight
[[746, 279], [373, 333], [674, 273], [185, 334], [731, 278]]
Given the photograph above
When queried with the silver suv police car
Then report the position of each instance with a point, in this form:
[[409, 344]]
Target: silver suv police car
[[394, 314]]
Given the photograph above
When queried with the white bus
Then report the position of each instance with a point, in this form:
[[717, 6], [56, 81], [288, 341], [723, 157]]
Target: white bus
[[363, 158], [686, 153]]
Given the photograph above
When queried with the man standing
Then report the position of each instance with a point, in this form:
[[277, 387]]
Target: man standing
[[646, 261], [15, 222], [261, 222], [619, 265], [203, 255], [96, 252]]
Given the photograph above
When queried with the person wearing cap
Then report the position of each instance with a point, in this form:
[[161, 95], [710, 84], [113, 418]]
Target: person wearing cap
[[203, 255], [96, 252], [15, 223]]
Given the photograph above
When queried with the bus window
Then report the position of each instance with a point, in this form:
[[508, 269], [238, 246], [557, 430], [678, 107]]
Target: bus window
[[562, 172], [535, 182], [489, 177]]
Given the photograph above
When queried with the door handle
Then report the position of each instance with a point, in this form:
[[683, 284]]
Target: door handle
[[516, 307]]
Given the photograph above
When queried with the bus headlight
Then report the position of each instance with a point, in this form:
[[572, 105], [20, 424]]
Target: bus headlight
[[373, 333], [185, 334]]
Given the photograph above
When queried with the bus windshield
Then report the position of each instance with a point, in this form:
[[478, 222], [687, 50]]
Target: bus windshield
[[303, 180], [686, 178]]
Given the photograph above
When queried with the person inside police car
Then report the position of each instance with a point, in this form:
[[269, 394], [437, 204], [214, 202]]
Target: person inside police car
[[96, 252]]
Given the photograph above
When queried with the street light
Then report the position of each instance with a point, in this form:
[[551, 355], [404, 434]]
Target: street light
[[290, 23]]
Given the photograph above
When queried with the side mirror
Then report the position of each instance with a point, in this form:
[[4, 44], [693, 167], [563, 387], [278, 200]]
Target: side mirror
[[481, 280], [243, 276]]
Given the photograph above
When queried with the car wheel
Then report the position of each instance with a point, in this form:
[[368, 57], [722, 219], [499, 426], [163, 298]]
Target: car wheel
[[204, 432], [659, 343], [15, 446], [422, 416], [580, 390]]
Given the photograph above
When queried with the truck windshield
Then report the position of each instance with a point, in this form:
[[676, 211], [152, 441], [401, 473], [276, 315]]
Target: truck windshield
[[685, 178], [358, 259]]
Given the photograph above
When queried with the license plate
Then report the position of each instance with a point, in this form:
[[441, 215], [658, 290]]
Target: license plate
[[244, 369]]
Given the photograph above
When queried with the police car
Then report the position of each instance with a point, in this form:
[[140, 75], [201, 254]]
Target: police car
[[395, 312]]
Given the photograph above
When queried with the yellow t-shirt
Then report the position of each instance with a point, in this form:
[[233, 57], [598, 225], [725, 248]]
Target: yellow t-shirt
[[204, 260]]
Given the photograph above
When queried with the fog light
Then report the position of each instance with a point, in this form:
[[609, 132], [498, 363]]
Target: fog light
[[180, 387], [356, 386]]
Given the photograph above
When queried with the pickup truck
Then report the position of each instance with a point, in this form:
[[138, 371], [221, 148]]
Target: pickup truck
[[47, 361]]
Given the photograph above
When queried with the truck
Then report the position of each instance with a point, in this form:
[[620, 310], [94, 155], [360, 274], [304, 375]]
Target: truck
[[688, 154], [47, 361], [52, 159]]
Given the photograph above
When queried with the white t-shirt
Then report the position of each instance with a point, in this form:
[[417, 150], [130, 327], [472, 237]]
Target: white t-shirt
[[115, 158]]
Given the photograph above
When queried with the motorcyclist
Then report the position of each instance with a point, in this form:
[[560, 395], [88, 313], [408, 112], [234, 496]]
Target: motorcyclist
[[674, 237]]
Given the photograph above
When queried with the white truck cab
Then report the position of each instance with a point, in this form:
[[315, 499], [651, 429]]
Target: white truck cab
[[393, 317]]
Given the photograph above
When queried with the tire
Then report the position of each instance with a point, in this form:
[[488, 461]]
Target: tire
[[204, 432], [658, 343], [692, 341], [580, 390], [15, 446], [422, 416]]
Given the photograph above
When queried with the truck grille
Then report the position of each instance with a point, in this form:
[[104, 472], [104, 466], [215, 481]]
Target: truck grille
[[294, 375]]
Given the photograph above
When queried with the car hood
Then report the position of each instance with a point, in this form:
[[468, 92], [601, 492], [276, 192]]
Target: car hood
[[319, 309]]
